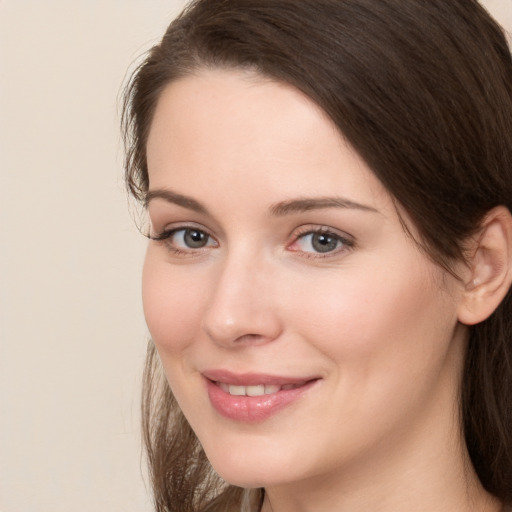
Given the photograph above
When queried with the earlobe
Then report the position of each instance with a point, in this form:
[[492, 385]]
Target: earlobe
[[490, 268]]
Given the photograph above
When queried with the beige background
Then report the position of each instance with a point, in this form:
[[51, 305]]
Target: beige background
[[71, 326]]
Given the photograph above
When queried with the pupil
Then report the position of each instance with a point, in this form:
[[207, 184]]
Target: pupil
[[195, 239], [324, 243]]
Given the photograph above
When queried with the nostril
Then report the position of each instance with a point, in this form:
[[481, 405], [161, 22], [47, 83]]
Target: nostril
[[247, 339], [233, 320]]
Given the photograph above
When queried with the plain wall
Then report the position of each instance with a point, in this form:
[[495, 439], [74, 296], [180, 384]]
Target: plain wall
[[72, 332]]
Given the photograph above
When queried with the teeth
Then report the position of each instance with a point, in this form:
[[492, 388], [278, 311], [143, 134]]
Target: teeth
[[258, 390], [237, 390], [223, 386], [255, 390]]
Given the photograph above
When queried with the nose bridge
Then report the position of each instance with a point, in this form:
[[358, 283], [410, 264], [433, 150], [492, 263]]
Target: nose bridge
[[241, 305]]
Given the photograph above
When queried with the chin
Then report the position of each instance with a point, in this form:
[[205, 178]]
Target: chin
[[250, 479], [244, 470]]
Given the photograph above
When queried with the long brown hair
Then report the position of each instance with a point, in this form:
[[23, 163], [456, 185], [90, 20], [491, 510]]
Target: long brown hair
[[422, 89]]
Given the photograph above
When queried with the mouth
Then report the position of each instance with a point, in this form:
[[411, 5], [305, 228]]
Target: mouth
[[258, 389], [253, 398]]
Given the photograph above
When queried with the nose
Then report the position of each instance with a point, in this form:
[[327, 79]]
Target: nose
[[242, 307]]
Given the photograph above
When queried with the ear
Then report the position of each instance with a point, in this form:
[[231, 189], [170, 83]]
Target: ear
[[489, 274]]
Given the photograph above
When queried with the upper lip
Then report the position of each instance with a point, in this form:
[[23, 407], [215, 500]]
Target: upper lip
[[253, 379]]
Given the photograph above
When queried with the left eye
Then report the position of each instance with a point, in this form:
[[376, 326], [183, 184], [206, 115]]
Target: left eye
[[189, 238], [319, 242]]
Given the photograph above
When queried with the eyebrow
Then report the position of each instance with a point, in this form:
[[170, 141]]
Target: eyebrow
[[173, 197], [316, 203], [279, 209]]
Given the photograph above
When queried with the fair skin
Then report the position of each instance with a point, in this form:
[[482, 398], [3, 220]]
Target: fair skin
[[277, 255]]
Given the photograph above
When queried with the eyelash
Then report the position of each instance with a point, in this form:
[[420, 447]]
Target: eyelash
[[166, 235], [345, 242]]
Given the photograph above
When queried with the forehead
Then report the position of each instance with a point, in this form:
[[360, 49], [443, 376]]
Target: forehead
[[238, 127], [233, 108]]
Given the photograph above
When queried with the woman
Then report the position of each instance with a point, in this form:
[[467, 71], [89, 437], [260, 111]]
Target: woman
[[327, 282]]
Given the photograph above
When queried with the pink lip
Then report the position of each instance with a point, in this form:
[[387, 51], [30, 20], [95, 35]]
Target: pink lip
[[251, 409]]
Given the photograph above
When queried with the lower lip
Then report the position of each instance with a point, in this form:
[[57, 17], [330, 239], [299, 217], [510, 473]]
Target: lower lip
[[251, 409]]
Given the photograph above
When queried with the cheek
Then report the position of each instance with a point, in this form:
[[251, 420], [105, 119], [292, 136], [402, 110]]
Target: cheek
[[172, 304], [377, 318]]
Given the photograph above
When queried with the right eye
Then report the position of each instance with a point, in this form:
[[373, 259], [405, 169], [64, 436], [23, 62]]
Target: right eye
[[185, 239]]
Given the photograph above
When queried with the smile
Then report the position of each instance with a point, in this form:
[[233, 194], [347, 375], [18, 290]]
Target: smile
[[252, 398], [257, 390]]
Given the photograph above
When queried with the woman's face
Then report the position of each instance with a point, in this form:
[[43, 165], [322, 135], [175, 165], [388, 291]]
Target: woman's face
[[302, 331]]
